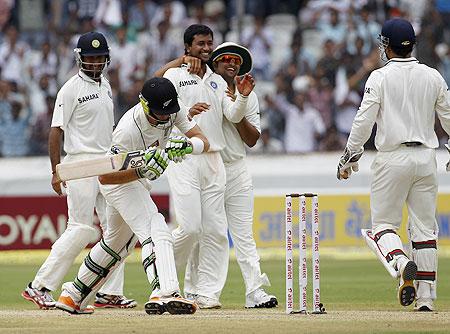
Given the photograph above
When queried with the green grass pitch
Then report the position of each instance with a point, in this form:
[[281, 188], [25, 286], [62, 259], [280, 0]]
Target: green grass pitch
[[357, 293]]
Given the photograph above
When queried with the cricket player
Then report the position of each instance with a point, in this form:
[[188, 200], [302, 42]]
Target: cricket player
[[198, 184], [131, 213], [230, 60], [402, 98], [84, 115]]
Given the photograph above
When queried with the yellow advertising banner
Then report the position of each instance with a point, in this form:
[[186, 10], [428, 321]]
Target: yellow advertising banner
[[341, 219]]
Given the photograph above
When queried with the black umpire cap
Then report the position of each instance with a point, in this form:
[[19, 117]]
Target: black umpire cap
[[160, 96], [399, 32], [93, 44]]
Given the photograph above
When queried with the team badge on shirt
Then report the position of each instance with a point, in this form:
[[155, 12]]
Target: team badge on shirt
[[213, 84]]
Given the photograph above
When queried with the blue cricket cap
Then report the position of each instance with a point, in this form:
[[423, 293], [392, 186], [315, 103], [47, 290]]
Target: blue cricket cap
[[399, 32]]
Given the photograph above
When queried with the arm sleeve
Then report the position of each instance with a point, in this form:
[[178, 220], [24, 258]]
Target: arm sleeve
[[234, 111], [443, 106], [367, 114], [64, 106], [253, 113]]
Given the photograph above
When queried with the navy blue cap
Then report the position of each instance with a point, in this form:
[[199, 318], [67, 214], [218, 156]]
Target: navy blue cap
[[399, 32], [93, 44], [160, 96]]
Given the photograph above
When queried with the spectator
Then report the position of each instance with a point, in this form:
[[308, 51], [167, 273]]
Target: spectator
[[258, 40], [320, 95], [271, 113], [368, 29], [140, 14], [334, 29], [108, 14], [299, 55], [37, 92], [125, 56], [12, 56], [304, 126], [161, 49], [5, 12], [14, 132], [41, 128], [172, 11], [44, 62], [329, 61]]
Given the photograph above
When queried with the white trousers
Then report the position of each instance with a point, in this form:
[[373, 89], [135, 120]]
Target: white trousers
[[83, 196], [407, 175], [131, 211], [197, 187], [239, 212]]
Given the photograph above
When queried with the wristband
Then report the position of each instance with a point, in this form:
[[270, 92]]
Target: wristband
[[197, 145]]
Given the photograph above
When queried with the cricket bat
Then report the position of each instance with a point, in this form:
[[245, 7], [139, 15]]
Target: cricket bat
[[100, 166]]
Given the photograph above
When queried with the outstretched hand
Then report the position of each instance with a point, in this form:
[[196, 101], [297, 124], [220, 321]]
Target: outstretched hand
[[245, 84]]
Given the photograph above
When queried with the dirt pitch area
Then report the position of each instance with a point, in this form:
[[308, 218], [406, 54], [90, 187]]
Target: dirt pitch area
[[224, 321]]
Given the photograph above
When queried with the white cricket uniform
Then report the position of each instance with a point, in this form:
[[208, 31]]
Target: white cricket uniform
[[402, 98], [198, 183], [131, 211], [238, 206], [84, 111]]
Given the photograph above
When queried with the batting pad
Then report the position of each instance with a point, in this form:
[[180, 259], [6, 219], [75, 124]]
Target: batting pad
[[98, 266], [165, 260]]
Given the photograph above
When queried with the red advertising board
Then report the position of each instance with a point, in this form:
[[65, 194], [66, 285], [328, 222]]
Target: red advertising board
[[36, 222]]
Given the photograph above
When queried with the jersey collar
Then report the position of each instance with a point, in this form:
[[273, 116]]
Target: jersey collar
[[402, 60], [85, 77]]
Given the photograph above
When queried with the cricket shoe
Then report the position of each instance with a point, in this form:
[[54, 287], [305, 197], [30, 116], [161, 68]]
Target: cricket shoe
[[406, 289], [204, 302], [68, 304], [41, 297], [174, 304], [424, 305], [103, 300], [260, 299], [155, 305], [191, 296]]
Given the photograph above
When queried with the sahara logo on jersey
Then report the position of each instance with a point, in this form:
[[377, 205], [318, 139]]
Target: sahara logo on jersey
[[88, 97], [188, 83]]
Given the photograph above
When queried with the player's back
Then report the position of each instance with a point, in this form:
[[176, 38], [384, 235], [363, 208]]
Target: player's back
[[408, 94]]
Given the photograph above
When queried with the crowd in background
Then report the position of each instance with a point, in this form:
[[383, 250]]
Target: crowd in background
[[310, 58]]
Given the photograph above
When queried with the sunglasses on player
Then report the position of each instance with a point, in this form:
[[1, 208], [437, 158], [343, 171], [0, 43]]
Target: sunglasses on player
[[228, 58]]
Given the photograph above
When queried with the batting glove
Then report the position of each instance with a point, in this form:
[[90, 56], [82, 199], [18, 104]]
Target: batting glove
[[177, 147], [156, 162], [348, 163]]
